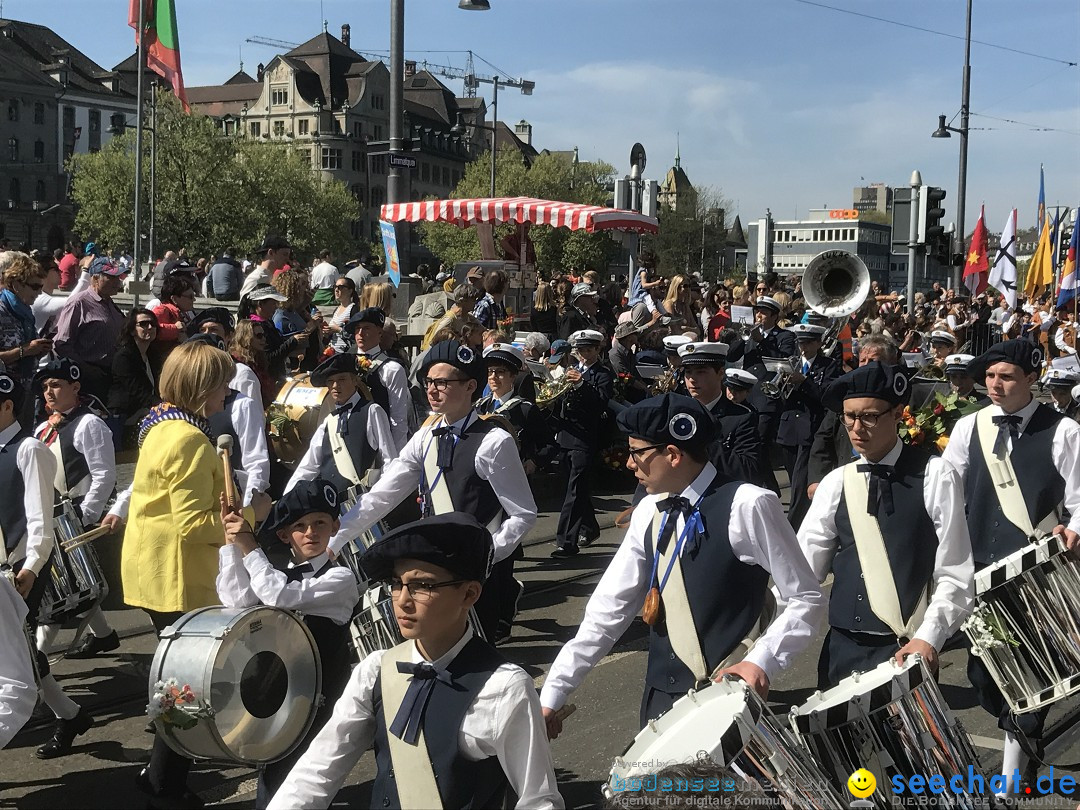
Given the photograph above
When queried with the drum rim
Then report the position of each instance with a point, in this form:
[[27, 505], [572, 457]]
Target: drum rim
[[826, 710]]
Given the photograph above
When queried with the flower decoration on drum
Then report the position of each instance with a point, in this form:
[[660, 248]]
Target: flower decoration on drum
[[987, 630], [929, 427], [682, 427], [176, 705]]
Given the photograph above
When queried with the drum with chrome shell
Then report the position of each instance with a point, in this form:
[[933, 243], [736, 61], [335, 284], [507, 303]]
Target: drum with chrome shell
[[891, 720], [727, 726], [76, 581], [258, 672]]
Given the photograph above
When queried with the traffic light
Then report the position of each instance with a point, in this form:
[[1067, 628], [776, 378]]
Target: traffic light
[[931, 212]]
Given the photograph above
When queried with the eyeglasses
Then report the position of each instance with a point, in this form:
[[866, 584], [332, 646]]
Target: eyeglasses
[[421, 591], [635, 452], [341, 286], [868, 419], [440, 383], [146, 324], [761, 289], [499, 371]]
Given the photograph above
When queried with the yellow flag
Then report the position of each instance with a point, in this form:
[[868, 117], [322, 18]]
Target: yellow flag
[[1041, 270]]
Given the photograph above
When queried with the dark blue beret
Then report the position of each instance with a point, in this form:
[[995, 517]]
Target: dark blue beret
[[1022, 353], [875, 380], [212, 315], [59, 368], [317, 495], [372, 315], [338, 364], [9, 387], [454, 541], [668, 418], [209, 339], [459, 356]]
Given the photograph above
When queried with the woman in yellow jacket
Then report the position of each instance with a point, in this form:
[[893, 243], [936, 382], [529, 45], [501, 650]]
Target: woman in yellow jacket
[[170, 553]]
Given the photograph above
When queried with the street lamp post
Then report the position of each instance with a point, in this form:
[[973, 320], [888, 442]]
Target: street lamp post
[[494, 127], [395, 191]]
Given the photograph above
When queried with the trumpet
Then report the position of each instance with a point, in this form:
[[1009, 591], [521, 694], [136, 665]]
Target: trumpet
[[779, 386]]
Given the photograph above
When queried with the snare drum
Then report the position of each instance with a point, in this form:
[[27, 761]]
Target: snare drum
[[727, 726], [1026, 624], [259, 671], [76, 581], [297, 410], [890, 720]]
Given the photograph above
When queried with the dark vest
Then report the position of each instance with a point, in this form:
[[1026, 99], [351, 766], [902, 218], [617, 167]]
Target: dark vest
[[993, 536], [726, 595], [12, 510], [468, 491], [910, 540], [75, 467], [462, 783], [221, 424], [362, 453], [379, 392]]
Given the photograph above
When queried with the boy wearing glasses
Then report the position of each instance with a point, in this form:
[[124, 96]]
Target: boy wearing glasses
[[460, 463], [324, 592], [452, 723], [890, 527], [695, 562]]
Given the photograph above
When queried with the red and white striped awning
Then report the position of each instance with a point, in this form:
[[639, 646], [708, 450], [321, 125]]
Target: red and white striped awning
[[575, 216]]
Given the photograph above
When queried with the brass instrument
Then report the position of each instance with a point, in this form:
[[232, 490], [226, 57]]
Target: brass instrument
[[548, 393], [779, 386], [664, 384], [835, 284]]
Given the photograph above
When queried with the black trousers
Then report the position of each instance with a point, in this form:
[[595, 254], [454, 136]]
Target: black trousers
[[496, 598], [767, 425], [168, 770], [1029, 724], [33, 606], [845, 652], [654, 702], [577, 513], [797, 464]]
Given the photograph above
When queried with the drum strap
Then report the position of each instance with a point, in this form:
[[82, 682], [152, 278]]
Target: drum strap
[[874, 559], [61, 482], [437, 493], [1003, 476], [679, 620], [417, 787], [343, 459]]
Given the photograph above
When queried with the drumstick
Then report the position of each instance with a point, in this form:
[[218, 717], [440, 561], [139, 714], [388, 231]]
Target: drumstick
[[224, 448], [85, 537], [565, 711]]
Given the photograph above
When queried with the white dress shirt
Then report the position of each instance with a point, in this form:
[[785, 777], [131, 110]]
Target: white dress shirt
[[47, 306], [943, 494], [249, 423], [246, 580], [323, 276], [1059, 341], [1064, 452], [378, 437], [93, 439], [18, 691], [247, 383], [393, 377], [497, 461], [503, 721], [759, 534], [38, 467]]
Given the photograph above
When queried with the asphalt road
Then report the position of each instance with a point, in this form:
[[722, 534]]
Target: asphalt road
[[99, 772]]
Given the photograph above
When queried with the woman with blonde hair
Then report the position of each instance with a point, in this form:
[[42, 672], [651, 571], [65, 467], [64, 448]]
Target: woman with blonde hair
[[677, 301], [544, 317], [169, 560]]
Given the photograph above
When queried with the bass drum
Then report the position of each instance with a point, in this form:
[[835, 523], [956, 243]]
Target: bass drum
[[257, 668], [297, 410]]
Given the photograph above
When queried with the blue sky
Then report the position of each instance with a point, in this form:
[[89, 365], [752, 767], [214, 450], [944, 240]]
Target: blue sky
[[778, 103]]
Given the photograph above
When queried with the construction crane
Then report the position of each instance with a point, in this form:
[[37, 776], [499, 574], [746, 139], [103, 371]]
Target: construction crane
[[272, 43], [473, 80]]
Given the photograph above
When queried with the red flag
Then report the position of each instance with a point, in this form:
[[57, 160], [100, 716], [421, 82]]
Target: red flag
[[977, 264], [162, 42]]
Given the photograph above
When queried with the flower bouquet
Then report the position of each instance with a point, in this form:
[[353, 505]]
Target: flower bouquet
[[506, 324], [930, 426], [176, 705], [622, 383]]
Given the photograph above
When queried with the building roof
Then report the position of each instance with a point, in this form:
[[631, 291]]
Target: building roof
[[330, 60], [224, 93], [39, 50], [736, 238], [423, 89], [506, 138], [241, 77]]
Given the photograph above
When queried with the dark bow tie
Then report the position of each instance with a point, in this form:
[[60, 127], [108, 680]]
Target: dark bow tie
[[1008, 424], [674, 506], [296, 573], [410, 715], [880, 489], [342, 413], [447, 440]]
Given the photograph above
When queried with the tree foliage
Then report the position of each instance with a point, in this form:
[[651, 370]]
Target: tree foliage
[[551, 177], [213, 191], [693, 235]]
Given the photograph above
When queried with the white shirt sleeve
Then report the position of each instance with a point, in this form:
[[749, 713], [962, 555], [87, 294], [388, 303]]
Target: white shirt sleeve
[[46, 306], [498, 462], [38, 467], [94, 440], [251, 430], [308, 467], [18, 692], [334, 594], [817, 534], [245, 381], [393, 377], [956, 451], [233, 583], [760, 534], [1066, 453], [1059, 341], [379, 434], [122, 503]]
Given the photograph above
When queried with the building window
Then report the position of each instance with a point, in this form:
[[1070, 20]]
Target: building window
[[279, 129], [357, 130], [39, 152], [425, 172], [39, 193], [358, 193], [13, 110], [377, 196], [446, 175], [279, 96], [302, 126], [378, 166], [357, 160], [13, 150], [14, 192], [305, 155], [95, 131], [378, 102], [455, 176], [256, 129], [39, 113], [69, 118], [378, 132], [331, 158]]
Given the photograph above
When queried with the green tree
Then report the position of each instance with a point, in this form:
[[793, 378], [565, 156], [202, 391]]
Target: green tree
[[213, 192], [551, 177], [879, 217], [691, 236]]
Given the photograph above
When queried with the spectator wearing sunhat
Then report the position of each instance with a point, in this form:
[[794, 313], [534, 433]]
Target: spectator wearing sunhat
[[891, 530], [580, 311], [581, 415], [260, 304], [622, 361], [803, 413], [738, 451], [274, 253], [1042, 448], [459, 462], [958, 372], [1060, 382], [698, 554], [387, 376]]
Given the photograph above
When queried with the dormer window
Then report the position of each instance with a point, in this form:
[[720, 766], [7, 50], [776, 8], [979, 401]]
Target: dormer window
[[279, 96]]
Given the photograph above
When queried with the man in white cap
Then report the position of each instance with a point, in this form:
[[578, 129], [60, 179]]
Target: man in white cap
[[942, 344], [1060, 382], [738, 384], [672, 344], [581, 413], [961, 380], [581, 312]]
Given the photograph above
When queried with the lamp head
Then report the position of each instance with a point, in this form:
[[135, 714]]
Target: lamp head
[[474, 5], [942, 130]]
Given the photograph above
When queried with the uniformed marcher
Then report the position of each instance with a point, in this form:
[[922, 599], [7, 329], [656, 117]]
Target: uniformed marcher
[[1019, 461], [942, 344], [738, 450], [27, 473], [387, 378], [85, 474], [963, 384], [1060, 383], [580, 420], [536, 441], [890, 528], [354, 443], [453, 724], [674, 382], [460, 463], [695, 562], [803, 412], [738, 384]]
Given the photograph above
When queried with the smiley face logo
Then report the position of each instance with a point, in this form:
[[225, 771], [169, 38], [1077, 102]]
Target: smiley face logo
[[862, 784]]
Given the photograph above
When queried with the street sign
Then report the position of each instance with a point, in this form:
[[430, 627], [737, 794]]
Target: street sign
[[402, 161]]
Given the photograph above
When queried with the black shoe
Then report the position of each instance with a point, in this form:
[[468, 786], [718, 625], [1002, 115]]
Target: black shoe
[[587, 539], [91, 645], [167, 801], [564, 552], [65, 733]]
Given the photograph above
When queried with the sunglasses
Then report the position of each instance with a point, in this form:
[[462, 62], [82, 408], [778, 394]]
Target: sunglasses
[[146, 324]]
